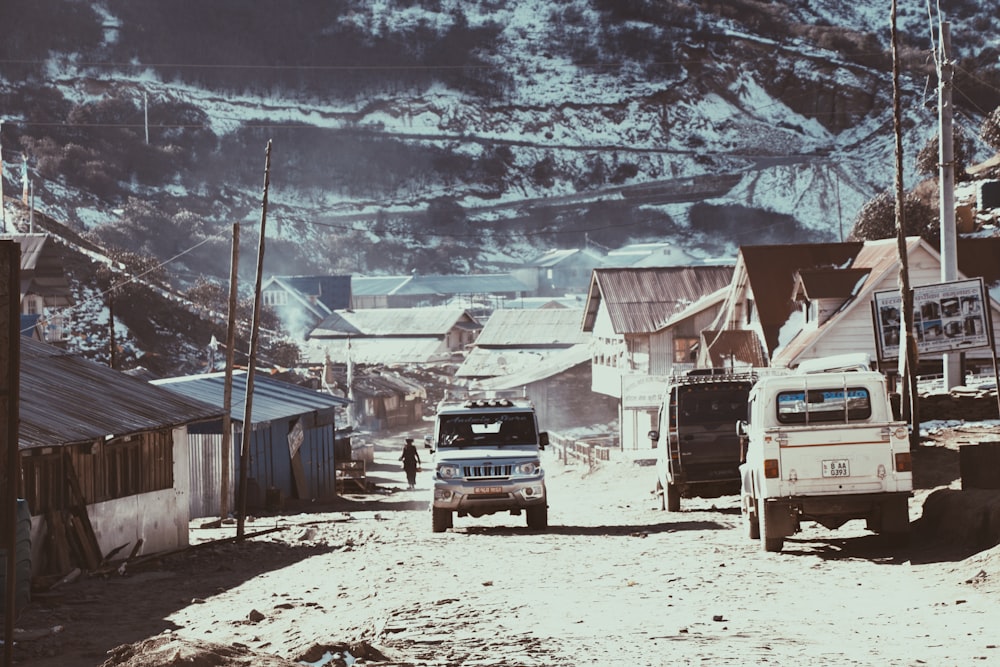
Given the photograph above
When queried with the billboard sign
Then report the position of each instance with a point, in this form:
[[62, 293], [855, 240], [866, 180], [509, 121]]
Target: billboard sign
[[947, 317]]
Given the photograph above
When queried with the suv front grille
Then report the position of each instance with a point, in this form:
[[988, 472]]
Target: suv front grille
[[501, 471]]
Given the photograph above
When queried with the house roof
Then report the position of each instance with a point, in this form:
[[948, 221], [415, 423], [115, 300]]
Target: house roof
[[387, 322], [437, 285], [493, 362], [272, 399], [402, 350], [377, 285], [770, 271], [512, 327], [642, 300], [561, 361], [553, 258], [66, 399], [499, 283]]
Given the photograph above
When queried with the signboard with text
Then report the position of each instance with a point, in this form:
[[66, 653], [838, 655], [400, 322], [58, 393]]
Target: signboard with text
[[947, 317]]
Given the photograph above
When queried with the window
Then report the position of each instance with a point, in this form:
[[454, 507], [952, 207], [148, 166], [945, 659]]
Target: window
[[139, 464], [275, 298], [685, 349], [749, 303], [824, 405]]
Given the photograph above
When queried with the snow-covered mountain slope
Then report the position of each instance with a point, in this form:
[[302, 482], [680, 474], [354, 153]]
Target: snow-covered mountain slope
[[445, 135]]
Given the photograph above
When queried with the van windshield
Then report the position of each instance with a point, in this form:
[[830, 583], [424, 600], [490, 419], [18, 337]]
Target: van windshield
[[490, 429]]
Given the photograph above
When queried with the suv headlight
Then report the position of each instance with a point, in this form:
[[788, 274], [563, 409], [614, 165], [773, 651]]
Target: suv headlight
[[527, 468], [446, 471]]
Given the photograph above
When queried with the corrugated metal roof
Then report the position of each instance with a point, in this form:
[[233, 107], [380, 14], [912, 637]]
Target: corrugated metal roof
[[484, 363], [499, 283], [558, 363], [510, 327], [377, 285], [415, 350], [66, 399], [429, 321], [272, 400], [641, 300]]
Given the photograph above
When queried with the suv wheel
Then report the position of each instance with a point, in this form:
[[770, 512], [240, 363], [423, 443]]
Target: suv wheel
[[538, 517], [672, 497], [750, 519], [441, 519]]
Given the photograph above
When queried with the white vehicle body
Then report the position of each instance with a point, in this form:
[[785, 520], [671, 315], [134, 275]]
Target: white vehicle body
[[824, 446], [486, 460]]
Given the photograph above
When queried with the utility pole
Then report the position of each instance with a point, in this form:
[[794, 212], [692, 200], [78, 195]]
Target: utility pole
[[10, 462], [3, 209], [908, 345], [227, 391], [145, 113], [951, 362], [252, 363]]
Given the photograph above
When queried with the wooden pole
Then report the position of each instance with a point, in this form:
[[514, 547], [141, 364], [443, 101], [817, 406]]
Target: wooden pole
[[908, 348], [227, 392], [252, 363], [10, 358]]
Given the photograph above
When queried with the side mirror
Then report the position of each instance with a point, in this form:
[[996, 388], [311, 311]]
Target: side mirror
[[543, 439], [427, 442], [654, 435]]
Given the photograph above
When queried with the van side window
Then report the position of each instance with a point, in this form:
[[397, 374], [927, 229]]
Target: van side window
[[824, 405]]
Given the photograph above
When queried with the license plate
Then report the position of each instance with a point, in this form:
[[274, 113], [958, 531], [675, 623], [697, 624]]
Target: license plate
[[487, 489], [836, 468]]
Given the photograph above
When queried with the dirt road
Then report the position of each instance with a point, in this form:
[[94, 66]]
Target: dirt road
[[614, 581]]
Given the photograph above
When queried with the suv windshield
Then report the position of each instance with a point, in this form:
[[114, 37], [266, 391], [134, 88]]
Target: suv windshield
[[486, 429]]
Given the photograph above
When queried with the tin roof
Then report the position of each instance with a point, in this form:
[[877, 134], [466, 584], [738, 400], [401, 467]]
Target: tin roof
[[272, 399], [66, 399], [511, 327], [368, 322], [437, 285], [561, 361], [398, 350], [641, 300]]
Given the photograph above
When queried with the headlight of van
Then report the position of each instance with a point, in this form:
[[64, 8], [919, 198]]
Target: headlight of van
[[527, 468], [447, 471]]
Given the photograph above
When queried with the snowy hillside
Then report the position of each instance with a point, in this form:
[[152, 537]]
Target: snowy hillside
[[443, 135]]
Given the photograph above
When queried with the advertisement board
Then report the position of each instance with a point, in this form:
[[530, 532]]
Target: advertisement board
[[947, 317]]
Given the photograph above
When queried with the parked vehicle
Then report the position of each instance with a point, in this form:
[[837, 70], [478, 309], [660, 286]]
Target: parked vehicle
[[700, 455], [486, 460], [822, 444]]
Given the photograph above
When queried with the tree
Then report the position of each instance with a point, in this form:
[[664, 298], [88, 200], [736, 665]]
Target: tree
[[877, 219], [927, 158]]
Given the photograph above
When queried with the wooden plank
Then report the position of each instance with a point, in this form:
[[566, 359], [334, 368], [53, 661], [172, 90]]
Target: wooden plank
[[81, 523], [58, 547]]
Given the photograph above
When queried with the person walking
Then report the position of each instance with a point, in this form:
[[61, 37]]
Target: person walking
[[411, 462]]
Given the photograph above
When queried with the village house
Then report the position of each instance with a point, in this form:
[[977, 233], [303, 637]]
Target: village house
[[104, 459], [802, 301], [391, 336], [302, 302], [646, 324], [559, 272], [293, 444], [380, 398], [514, 340], [45, 291]]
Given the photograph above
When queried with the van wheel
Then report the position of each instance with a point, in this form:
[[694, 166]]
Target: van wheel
[[772, 544], [538, 517], [672, 498], [750, 520], [442, 520]]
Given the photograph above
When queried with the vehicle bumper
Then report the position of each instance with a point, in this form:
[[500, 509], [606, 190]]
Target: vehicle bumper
[[488, 497]]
